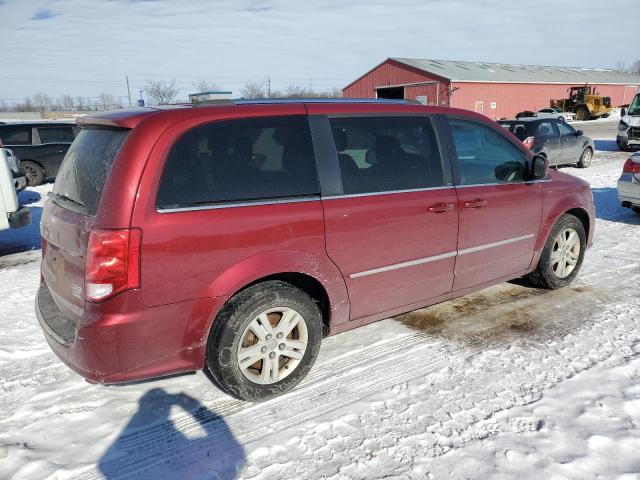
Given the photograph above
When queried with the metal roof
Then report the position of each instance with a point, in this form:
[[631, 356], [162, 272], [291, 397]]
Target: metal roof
[[514, 73]]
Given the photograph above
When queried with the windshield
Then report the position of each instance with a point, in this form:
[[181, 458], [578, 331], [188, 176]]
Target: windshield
[[84, 171], [634, 108]]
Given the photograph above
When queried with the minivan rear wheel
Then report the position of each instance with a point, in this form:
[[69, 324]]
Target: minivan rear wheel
[[562, 254], [264, 341]]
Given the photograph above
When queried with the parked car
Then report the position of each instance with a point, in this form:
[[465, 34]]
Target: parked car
[[554, 139], [556, 113], [629, 183], [19, 179], [12, 215], [629, 125], [231, 237], [40, 146]]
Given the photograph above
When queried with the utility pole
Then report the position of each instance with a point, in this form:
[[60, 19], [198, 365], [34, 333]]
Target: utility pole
[[128, 89]]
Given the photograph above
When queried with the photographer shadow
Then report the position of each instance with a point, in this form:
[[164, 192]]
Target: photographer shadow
[[197, 445]]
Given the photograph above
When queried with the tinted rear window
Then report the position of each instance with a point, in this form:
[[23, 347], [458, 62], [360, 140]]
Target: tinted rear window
[[85, 168], [240, 160], [15, 134], [58, 134]]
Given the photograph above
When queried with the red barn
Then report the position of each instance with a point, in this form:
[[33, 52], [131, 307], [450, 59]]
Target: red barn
[[496, 89]]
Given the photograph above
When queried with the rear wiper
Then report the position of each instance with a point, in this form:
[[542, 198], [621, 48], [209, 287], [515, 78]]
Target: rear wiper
[[68, 199]]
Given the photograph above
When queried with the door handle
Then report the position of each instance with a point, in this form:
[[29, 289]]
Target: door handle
[[475, 204], [440, 207]]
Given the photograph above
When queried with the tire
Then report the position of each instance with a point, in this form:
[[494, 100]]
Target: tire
[[582, 113], [585, 158], [622, 147], [548, 273], [636, 209], [236, 332], [33, 172]]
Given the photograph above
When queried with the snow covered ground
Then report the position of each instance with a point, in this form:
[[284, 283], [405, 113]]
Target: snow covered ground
[[510, 382]]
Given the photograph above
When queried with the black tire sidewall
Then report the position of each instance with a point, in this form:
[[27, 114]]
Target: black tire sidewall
[[229, 325], [544, 266]]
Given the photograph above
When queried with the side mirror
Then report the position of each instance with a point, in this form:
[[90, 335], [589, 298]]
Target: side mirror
[[623, 112], [579, 132], [539, 167]]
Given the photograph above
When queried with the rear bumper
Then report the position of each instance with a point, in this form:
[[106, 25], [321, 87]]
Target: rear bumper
[[20, 218], [629, 189], [20, 182], [109, 346]]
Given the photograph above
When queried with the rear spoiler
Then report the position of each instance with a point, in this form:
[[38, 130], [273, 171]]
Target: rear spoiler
[[120, 119]]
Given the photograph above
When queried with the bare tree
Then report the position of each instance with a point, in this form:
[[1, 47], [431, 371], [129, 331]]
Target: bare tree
[[66, 102], [203, 85], [254, 90], [635, 67], [26, 106], [162, 92], [621, 65], [42, 102], [106, 101]]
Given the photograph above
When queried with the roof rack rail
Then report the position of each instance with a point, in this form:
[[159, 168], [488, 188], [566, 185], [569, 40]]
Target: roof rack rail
[[253, 101]]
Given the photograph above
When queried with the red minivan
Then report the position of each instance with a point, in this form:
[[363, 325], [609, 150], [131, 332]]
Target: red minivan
[[233, 237]]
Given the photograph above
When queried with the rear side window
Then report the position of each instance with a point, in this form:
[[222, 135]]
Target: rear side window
[[60, 134], [381, 154], [522, 130], [546, 129], [15, 135], [240, 160], [84, 171], [484, 156]]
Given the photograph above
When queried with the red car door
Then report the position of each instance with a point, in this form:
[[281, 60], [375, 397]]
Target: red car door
[[500, 212], [392, 231]]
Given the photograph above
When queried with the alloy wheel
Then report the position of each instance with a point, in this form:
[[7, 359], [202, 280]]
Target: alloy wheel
[[272, 345], [31, 174], [565, 253]]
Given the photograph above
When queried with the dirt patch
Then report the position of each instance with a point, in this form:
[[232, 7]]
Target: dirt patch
[[499, 314]]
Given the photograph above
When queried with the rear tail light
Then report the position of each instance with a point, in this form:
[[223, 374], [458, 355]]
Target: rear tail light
[[528, 142], [631, 167], [112, 263]]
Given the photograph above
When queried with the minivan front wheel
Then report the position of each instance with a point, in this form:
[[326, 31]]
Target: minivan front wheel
[[562, 254], [264, 341]]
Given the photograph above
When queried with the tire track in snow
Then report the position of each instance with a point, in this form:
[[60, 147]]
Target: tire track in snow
[[150, 451]]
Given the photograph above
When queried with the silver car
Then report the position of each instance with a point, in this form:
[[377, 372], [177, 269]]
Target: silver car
[[556, 113], [629, 183], [555, 139]]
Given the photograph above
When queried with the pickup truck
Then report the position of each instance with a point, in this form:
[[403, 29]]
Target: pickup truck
[[12, 215], [41, 146]]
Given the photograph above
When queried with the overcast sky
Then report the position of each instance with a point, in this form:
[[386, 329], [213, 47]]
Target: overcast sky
[[85, 47]]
